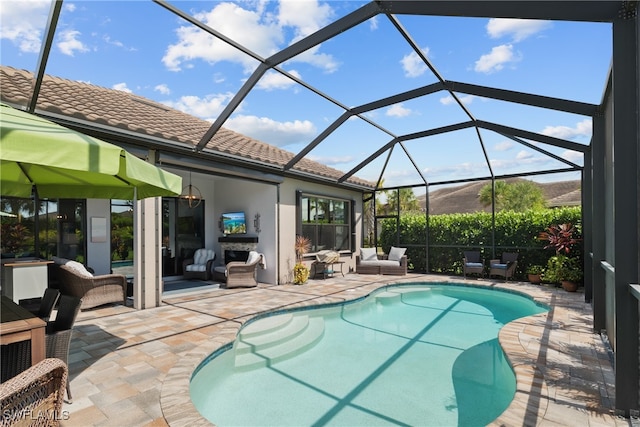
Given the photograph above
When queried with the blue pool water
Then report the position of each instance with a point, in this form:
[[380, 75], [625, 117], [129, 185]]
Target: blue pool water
[[423, 355]]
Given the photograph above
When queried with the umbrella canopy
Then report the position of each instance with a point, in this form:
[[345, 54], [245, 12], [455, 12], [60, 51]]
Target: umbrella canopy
[[62, 163]]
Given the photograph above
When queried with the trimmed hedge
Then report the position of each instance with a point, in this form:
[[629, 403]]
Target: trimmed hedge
[[450, 235]]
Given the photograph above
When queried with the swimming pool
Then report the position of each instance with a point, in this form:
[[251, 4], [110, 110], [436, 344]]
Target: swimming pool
[[406, 355]]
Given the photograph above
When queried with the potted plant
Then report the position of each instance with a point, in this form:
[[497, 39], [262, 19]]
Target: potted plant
[[534, 273], [570, 274], [561, 267], [301, 271]]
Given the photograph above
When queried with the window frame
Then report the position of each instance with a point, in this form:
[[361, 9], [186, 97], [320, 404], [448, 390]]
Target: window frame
[[349, 218]]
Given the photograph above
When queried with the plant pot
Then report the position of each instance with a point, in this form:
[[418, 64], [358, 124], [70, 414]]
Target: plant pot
[[569, 286], [535, 278]]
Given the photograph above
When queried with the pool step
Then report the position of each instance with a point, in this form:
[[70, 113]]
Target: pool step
[[292, 338], [388, 297], [269, 333]]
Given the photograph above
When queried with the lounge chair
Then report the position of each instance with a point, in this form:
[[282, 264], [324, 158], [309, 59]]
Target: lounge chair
[[505, 266], [472, 263]]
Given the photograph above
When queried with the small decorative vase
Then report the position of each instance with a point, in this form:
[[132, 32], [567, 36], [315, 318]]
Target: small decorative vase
[[534, 278], [569, 286]]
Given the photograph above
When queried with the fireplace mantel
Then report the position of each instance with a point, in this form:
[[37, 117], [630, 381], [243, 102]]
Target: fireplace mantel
[[238, 239]]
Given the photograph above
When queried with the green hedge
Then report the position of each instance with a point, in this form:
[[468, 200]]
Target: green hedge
[[450, 235]]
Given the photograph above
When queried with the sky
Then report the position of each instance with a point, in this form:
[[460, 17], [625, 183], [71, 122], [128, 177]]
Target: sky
[[142, 48]]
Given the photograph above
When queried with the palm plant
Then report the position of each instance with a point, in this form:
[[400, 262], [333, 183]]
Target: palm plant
[[301, 271]]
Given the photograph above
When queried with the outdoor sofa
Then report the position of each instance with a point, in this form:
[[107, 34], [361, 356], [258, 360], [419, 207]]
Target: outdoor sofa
[[394, 263]]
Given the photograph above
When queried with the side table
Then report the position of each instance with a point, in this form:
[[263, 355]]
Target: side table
[[326, 269]]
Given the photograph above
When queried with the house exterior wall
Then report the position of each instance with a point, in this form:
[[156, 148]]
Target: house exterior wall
[[287, 221], [251, 197]]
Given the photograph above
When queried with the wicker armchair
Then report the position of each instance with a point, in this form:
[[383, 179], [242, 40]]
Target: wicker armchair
[[34, 397], [200, 266], [244, 274], [93, 290], [505, 267], [472, 264], [58, 336]]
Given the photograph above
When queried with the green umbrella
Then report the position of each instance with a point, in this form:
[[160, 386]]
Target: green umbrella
[[62, 163]]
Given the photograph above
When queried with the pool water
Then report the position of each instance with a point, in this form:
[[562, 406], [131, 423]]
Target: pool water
[[423, 355]]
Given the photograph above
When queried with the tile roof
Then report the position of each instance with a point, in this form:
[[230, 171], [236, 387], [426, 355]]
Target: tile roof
[[129, 112]]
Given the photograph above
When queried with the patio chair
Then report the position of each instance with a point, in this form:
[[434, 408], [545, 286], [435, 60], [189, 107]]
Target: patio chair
[[472, 263], [48, 301], [93, 290], [505, 266], [200, 266], [58, 336], [244, 274], [35, 395]]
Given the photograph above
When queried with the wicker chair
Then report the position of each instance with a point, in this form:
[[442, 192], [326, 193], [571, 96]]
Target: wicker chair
[[93, 290], [505, 267], [472, 264], [34, 397], [244, 274], [49, 300], [58, 336], [200, 266]]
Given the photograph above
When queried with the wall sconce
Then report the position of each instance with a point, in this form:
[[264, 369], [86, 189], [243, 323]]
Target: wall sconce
[[256, 223], [191, 195]]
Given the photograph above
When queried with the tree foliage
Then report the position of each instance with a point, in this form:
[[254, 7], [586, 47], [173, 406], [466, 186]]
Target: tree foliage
[[516, 196]]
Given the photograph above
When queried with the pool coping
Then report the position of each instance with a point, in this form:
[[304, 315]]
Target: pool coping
[[522, 340]]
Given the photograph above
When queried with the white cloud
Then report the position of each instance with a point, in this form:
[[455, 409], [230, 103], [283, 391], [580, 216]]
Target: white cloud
[[503, 145], [70, 43], [465, 99], [397, 110], [495, 60], [274, 80], [122, 87], [413, 65], [573, 156], [332, 161], [163, 89], [525, 155], [258, 30], [272, 132], [373, 23], [23, 23], [244, 26], [207, 108], [583, 128], [305, 17], [518, 29]]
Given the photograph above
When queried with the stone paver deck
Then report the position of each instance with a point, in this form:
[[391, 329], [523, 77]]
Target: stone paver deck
[[132, 368]]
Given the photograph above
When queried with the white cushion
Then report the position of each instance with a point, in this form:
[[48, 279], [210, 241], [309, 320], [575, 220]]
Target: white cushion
[[202, 256], [78, 268], [396, 254], [368, 254], [196, 267], [253, 257]]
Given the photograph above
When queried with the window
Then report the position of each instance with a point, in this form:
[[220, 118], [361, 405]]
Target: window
[[326, 221]]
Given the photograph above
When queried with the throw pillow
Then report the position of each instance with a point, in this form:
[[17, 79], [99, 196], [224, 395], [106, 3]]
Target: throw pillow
[[396, 254], [78, 268], [368, 254]]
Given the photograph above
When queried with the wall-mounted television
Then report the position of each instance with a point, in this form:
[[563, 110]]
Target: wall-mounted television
[[234, 223]]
